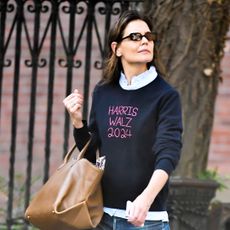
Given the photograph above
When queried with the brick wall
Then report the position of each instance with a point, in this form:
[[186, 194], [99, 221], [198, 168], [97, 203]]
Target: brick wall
[[219, 154], [24, 100], [220, 143]]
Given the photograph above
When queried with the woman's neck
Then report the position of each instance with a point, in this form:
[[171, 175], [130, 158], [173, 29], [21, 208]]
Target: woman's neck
[[132, 71]]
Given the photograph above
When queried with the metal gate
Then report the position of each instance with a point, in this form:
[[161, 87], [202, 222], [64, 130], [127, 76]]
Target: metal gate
[[47, 48]]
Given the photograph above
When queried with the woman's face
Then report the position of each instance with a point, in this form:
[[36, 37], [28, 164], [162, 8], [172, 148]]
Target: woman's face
[[135, 52]]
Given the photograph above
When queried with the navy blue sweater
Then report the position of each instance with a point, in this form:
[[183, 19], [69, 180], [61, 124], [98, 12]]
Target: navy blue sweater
[[139, 131]]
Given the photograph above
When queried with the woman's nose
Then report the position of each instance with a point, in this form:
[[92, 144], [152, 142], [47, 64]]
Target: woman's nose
[[144, 40]]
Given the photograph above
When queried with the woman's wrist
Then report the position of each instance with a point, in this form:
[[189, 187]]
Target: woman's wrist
[[78, 124]]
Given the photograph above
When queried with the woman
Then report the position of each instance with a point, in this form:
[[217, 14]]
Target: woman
[[135, 122]]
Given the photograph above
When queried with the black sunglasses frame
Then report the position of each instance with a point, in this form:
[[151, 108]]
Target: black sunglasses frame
[[136, 36]]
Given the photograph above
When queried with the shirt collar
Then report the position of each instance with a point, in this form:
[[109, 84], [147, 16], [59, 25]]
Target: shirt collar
[[138, 81]]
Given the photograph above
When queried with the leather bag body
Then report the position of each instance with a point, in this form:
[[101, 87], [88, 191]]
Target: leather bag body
[[71, 198]]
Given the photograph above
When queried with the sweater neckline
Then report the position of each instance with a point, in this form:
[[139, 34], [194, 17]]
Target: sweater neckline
[[138, 81]]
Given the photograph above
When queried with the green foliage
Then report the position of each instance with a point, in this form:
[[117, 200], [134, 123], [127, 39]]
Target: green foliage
[[215, 176], [16, 227], [3, 194]]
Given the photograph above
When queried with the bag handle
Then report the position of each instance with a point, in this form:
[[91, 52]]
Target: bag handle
[[80, 155]]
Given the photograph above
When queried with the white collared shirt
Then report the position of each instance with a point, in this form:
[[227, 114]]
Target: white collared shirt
[[152, 215], [138, 81]]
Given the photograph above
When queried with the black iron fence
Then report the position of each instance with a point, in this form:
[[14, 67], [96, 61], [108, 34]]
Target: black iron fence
[[47, 48]]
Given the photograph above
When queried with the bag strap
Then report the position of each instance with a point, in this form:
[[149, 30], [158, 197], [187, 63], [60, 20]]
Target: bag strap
[[80, 155]]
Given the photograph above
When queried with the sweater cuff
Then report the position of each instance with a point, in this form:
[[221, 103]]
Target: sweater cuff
[[166, 165]]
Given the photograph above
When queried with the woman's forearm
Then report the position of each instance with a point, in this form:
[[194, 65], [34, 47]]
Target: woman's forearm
[[156, 183]]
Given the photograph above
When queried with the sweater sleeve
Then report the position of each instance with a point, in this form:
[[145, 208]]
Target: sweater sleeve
[[167, 147], [83, 134]]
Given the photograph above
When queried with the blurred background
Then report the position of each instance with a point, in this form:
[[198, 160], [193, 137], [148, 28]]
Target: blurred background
[[48, 48]]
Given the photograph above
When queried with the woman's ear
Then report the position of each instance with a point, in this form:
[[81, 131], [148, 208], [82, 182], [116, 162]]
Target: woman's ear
[[115, 49]]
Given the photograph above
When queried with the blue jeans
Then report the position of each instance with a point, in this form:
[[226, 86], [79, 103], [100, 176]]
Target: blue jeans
[[115, 223]]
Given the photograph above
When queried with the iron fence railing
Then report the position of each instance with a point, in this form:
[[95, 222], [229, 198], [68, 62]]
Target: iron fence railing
[[46, 47]]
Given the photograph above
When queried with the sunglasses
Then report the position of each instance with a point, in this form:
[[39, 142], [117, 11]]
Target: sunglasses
[[138, 36]]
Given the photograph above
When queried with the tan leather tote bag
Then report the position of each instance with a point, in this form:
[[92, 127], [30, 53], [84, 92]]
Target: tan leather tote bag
[[71, 198]]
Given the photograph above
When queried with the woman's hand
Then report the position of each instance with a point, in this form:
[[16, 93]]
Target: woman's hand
[[137, 210], [73, 104]]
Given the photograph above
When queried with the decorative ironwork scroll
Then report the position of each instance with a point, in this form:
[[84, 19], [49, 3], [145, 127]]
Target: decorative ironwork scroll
[[47, 48]]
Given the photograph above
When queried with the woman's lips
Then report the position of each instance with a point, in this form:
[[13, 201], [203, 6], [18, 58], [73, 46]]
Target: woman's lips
[[144, 51]]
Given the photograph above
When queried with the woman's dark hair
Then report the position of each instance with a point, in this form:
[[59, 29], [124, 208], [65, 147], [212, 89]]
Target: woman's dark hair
[[112, 64]]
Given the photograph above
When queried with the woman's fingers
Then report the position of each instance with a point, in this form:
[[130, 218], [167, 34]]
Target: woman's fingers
[[73, 104], [136, 216], [73, 101], [137, 211]]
